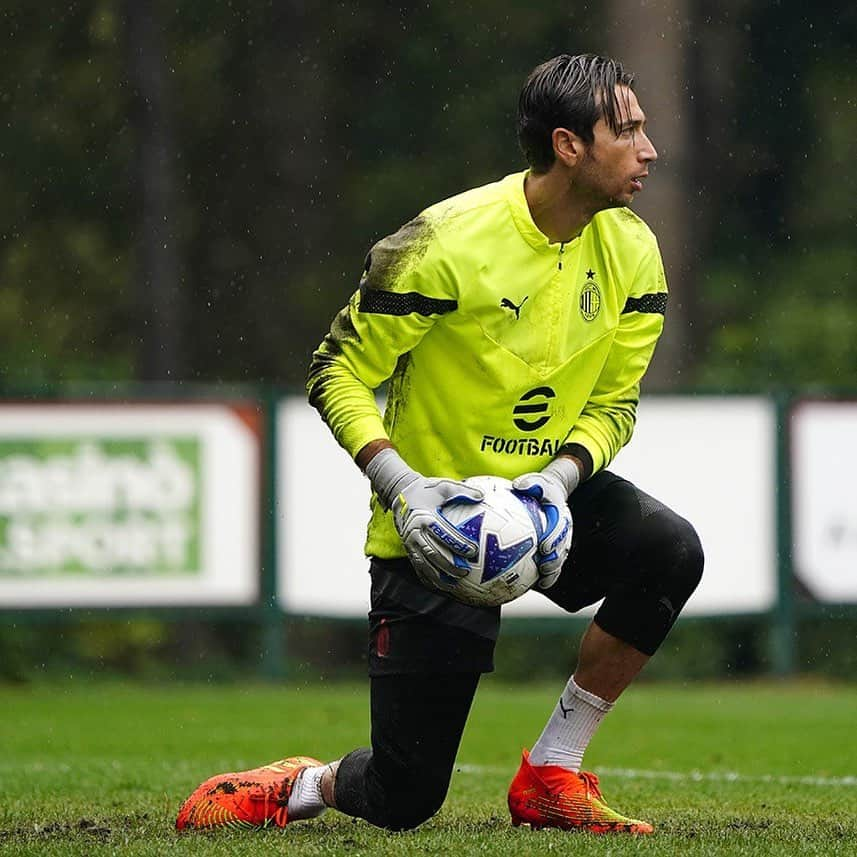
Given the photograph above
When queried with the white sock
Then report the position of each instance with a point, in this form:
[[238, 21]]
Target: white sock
[[305, 801], [570, 728]]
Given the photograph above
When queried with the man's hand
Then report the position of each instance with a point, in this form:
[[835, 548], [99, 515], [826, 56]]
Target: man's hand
[[424, 531], [416, 501], [552, 487]]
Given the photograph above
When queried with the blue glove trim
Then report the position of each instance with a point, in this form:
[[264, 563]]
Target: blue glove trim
[[551, 518]]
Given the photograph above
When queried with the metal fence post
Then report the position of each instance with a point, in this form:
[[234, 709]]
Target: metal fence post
[[272, 631], [784, 625]]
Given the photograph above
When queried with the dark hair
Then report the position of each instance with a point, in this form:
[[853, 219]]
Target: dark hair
[[571, 92]]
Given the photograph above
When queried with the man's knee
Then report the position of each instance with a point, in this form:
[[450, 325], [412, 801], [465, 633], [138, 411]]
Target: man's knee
[[388, 795], [670, 549], [410, 806], [665, 566]]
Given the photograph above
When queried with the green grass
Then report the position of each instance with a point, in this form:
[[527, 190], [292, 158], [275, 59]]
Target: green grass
[[90, 769]]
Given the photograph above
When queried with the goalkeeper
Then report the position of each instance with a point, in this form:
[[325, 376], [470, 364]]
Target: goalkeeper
[[513, 324]]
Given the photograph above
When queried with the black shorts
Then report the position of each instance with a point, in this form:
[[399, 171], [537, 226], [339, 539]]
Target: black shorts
[[626, 549]]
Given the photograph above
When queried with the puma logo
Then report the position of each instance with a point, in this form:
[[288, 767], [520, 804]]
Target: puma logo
[[505, 303], [565, 711]]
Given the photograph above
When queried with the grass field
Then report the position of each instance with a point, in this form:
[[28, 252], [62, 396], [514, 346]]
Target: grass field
[[750, 769]]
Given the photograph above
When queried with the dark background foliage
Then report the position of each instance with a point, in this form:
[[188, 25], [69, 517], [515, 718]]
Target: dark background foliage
[[190, 189]]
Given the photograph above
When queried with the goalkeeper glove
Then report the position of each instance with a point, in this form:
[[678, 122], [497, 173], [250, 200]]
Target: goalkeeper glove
[[551, 487], [416, 502]]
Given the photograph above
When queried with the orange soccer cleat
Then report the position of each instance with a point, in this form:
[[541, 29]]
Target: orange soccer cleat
[[551, 796], [249, 799]]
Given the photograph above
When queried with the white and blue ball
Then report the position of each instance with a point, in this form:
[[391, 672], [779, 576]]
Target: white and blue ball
[[507, 527]]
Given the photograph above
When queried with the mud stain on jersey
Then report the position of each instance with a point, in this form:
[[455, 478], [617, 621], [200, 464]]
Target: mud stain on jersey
[[397, 389], [341, 330], [395, 255], [388, 261], [322, 368]]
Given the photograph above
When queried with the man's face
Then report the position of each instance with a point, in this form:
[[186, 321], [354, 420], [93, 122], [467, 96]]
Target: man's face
[[613, 167]]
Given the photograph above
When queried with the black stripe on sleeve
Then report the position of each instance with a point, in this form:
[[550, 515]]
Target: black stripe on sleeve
[[403, 303], [656, 302]]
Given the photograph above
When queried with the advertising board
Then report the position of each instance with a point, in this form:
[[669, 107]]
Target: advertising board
[[711, 459], [824, 500], [128, 504]]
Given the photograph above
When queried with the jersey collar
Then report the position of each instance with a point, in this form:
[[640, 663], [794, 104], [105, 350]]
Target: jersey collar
[[514, 188]]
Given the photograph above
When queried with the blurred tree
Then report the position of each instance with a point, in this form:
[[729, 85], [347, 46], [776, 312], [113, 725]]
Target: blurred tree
[[66, 310], [653, 41], [160, 297], [263, 176], [778, 269]]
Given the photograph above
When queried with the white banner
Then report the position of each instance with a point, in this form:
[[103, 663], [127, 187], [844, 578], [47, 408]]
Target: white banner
[[711, 459], [322, 513], [128, 505], [824, 492]]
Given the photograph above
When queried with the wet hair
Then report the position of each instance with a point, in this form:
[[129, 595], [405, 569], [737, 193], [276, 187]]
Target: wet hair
[[571, 92]]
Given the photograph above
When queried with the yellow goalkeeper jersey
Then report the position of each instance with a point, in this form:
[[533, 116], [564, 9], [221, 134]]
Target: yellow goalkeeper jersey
[[499, 346]]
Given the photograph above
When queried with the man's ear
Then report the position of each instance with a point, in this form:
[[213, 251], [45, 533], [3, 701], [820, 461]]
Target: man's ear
[[567, 146]]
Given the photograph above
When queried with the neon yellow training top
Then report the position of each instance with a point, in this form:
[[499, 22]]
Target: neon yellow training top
[[500, 348]]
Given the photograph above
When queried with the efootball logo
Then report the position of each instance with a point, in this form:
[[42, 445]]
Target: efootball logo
[[531, 412]]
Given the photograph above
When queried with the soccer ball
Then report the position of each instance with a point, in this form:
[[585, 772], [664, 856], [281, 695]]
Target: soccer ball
[[507, 528]]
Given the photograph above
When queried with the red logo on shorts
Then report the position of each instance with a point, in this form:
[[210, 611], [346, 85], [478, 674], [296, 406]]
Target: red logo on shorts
[[382, 640]]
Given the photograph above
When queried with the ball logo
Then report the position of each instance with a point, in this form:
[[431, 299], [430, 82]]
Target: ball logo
[[590, 301], [531, 412], [496, 558]]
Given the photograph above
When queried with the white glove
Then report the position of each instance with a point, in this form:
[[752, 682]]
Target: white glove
[[416, 502], [551, 487]]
